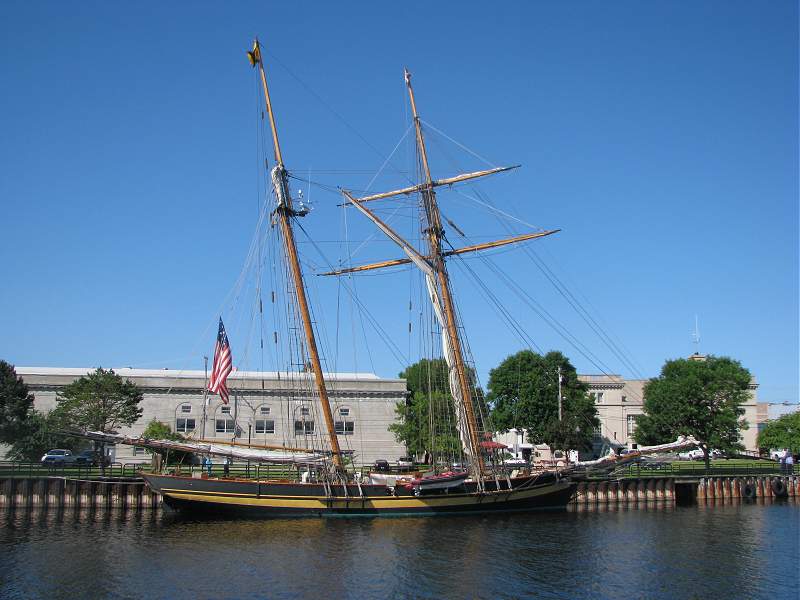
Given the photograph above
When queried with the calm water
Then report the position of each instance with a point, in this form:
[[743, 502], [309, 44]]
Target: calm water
[[723, 551]]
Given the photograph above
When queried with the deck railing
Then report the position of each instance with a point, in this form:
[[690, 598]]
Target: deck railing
[[70, 471]]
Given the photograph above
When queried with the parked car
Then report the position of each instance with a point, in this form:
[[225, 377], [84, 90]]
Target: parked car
[[515, 462], [405, 463], [382, 465], [778, 454], [696, 454], [90, 458], [58, 457]]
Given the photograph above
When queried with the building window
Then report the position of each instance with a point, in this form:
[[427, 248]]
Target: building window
[[138, 450], [304, 411], [303, 427], [265, 426], [186, 408], [624, 398], [632, 424], [344, 427], [225, 426], [345, 412], [597, 397], [184, 425], [225, 410], [265, 410]]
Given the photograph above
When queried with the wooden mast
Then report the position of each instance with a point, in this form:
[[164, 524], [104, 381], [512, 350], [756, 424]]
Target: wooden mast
[[285, 214], [435, 233]]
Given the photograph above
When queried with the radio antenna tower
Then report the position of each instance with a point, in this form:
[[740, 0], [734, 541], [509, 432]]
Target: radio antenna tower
[[696, 336]]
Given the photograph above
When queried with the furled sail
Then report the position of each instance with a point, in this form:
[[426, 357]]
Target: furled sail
[[276, 456], [433, 292], [612, 459], [452, 374]]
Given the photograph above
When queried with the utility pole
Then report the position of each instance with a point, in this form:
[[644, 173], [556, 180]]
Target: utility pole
[[559, 393]]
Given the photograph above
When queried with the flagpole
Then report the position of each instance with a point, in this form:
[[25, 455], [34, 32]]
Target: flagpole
[[205, 397]]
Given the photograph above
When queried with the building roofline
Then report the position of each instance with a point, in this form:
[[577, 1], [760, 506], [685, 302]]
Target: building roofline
[[194, 374]]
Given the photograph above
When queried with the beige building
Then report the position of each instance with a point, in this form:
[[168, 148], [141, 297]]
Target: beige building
[[619, 403], [265, 408]]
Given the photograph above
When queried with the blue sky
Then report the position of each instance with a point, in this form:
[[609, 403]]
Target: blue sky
[[661, 137]]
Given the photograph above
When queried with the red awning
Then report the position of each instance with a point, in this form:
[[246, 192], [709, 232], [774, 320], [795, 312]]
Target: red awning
[[491, 445]]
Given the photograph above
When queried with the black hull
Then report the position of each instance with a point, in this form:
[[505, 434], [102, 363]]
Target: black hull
[[234, 497]]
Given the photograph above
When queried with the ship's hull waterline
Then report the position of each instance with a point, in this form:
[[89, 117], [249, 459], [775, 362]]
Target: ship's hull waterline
[[279, 499]]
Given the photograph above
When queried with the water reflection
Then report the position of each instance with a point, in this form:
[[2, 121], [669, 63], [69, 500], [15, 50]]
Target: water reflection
[[724, 550]]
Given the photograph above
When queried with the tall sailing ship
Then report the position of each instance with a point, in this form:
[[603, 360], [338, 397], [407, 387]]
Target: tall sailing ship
[[330, 485]]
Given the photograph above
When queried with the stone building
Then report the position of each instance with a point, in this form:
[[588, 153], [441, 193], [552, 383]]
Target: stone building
[[264, 408], [619, 403]]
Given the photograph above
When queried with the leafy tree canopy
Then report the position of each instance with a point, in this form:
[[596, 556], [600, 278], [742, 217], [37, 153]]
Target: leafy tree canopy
[[427, 421], [39, 433], [783, 432], [702, 398], [16, 404], [100, 401], [523, 393], [415, 419], [157, 430], [427, 375]]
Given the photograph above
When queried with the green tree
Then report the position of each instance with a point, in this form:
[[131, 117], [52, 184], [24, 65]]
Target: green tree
[[157, 430], [415, 418], [427, 375], [39, 433], [426, 420], [99, 401], [16, 404], [523, 393], [702, 398], [783, 432]]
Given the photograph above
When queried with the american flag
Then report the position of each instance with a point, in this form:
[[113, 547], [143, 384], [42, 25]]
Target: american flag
[[223, 364]]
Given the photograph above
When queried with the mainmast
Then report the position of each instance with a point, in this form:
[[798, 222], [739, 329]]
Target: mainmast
[[285, 214], [437, 261]]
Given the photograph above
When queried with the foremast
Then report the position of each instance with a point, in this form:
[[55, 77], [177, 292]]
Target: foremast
[[285, 213], [435, 233], [434, 267]]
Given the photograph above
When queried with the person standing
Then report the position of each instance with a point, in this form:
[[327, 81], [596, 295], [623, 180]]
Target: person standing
[[789, 463]]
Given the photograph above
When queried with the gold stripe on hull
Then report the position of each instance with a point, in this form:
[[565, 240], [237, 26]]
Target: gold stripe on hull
[[321, 503]]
